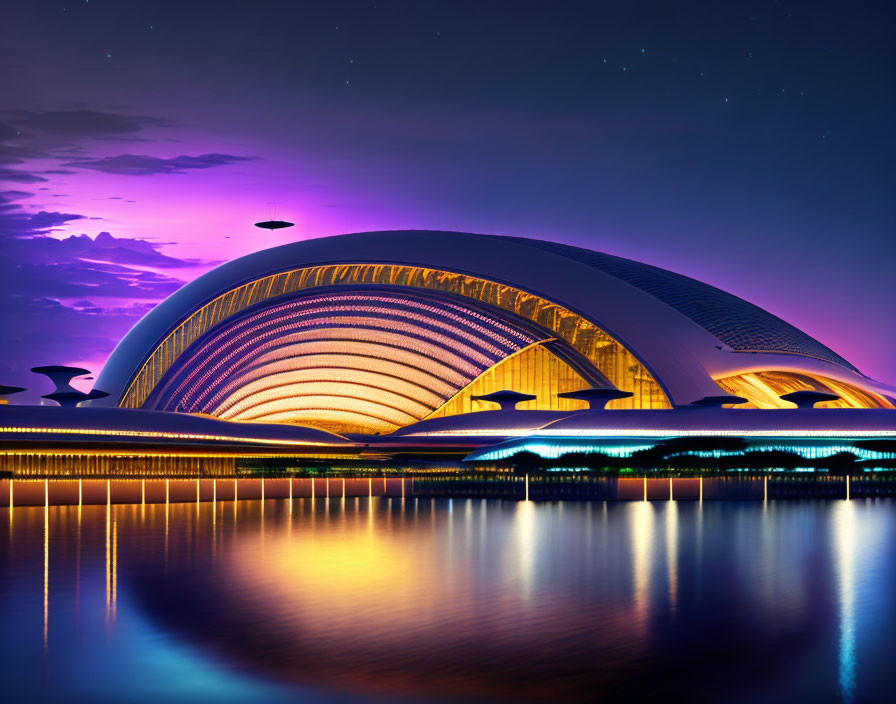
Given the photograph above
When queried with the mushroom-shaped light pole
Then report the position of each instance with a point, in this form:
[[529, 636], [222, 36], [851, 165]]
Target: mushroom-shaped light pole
[[74, 398], [808, 398], [60, 375], [597, 398], [506, 399], [719, 401], [65, 394], [9, 391]]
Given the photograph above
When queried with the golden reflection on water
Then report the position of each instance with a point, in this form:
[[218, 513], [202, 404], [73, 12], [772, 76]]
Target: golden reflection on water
[[114, 569], [641, 517], [46, 564], [78, 554], [525, 531], [108, 559], [349, 571]]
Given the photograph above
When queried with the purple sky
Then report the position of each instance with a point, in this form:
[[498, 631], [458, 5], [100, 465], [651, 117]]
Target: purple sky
[[749, 146]]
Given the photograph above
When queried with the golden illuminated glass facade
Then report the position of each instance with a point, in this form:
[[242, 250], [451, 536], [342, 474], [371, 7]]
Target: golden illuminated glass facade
[[763, 390], [535, 370], [346, 359]]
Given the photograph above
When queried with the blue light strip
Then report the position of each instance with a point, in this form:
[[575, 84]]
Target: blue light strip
[[553, 449]]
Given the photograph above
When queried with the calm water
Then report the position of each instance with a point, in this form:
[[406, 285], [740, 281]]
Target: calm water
[[418, 600]]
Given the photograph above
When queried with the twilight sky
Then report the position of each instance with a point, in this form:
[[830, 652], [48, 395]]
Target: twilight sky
[[749, 145]]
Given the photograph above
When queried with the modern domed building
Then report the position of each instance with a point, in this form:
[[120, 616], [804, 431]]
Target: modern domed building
[[371, 332]]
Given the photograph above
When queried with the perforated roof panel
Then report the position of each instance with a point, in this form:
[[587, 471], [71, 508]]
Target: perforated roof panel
[[739, 324]]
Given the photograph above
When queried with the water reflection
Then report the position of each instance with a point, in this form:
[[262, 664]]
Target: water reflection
[[525, 531], [46, 572], [641, 531], [672, 551], [844, 530], [359, 596]]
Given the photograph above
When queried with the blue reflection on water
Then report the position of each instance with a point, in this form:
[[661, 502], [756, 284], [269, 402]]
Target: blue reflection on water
[[154, 667]]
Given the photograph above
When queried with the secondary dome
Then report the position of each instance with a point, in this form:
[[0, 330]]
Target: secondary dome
[[373, 331]]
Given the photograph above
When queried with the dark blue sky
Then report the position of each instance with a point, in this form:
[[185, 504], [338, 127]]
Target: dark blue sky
[[749, 145]]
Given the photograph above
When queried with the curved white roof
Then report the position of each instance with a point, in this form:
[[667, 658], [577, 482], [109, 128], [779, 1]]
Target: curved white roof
[[673, 341]]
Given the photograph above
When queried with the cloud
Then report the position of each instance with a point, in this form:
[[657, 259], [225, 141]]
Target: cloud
[[9, 156], [76, 279], [27, 135], [20, 176], [69, 300], [28, 225], [18, 154], [121, 250], [10, 196], [32, 263], [124, 139], [81, 123], [143, 165], [24, 241], [23, 150], [35, 327], [57, 265]]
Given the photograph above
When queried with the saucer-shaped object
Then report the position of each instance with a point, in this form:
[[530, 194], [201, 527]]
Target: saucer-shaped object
[[274, 224]]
